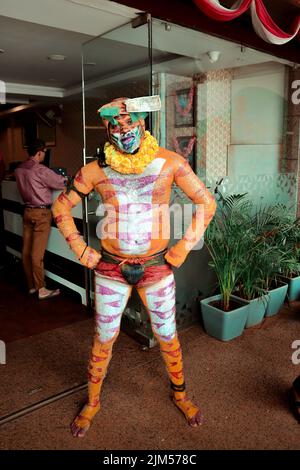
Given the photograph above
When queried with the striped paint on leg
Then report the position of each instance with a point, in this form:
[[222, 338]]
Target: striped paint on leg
[[159, 299], [110, 301]]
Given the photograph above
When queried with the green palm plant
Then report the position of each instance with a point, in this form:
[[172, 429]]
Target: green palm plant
[[249, 283], [227, 240], [289, 239], [277, 236], [250, 246]]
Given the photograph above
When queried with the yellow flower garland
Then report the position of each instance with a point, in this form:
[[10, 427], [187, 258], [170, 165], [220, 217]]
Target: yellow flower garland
[[135, 163]]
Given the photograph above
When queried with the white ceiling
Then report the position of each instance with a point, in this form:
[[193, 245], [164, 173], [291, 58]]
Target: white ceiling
[[27, 46], [32, 30]]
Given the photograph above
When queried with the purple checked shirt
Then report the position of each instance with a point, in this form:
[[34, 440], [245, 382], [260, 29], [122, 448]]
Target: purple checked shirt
[[36, 183]]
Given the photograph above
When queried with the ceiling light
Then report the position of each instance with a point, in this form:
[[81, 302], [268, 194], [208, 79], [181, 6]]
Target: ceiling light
[[56, 57]]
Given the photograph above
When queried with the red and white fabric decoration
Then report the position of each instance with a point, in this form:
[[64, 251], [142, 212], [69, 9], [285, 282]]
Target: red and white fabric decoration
[[216, 11], [262, 22], [266, 28]]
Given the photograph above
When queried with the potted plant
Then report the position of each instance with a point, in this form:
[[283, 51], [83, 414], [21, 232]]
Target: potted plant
[[226, 238], [273, 255], [249, 284], [248, 290], [290, 269], [268, 252]]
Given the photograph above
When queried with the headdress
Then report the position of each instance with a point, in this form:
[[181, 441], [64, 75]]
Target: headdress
[[137, 108]]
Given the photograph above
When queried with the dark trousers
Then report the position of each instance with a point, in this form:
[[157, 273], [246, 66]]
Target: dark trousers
[[36, 229]]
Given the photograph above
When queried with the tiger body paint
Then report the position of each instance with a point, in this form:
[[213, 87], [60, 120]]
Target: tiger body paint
[[137, 230]]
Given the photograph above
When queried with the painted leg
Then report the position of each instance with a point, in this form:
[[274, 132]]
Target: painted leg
[[110, 300], [159, 299]]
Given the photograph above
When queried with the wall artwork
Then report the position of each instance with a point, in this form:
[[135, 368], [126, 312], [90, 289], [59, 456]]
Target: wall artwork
[[184, 107], [185, 146]]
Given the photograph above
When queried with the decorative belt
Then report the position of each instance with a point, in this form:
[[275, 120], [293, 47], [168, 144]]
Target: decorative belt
[[45, 206], [158, 258], [132, 269]]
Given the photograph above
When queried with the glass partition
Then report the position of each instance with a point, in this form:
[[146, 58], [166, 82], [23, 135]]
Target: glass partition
[[115, 64], [226, 108]]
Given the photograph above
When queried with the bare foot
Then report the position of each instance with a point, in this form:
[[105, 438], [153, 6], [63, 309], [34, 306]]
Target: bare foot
[[82, 422], [191, 412]]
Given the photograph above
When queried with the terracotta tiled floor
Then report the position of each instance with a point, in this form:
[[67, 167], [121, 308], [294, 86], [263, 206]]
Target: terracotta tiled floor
[[241, 386]]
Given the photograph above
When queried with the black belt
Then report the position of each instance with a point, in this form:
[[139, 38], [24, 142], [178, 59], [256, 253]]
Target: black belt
[[157, 259], [45, 206]]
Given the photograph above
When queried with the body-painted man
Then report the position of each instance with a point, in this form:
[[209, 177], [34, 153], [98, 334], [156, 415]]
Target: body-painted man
[[136, 183]]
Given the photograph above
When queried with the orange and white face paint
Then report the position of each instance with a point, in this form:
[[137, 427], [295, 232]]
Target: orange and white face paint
[[126, 135], [125, 130]]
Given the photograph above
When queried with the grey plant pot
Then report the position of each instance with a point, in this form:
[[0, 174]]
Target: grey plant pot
[[276, 299], [257, 310], [224, 325]]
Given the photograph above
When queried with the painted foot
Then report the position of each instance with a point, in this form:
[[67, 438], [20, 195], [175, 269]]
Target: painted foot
[[82, 422], [191, 412]]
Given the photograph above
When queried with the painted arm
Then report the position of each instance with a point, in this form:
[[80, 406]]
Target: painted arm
[[61, 209], [206, 205]]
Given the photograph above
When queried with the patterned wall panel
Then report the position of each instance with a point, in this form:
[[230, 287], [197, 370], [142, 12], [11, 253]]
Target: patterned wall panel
[[201, 129], [218, 89], [262, 189]]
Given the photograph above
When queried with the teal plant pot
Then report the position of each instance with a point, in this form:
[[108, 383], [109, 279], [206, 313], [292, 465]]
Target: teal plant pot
[[293, 287], [224, 325], [257, 310], [276, 299]]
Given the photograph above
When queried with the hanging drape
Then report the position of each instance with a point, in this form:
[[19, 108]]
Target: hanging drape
[[262, 22], [216, 11], [266, 28]]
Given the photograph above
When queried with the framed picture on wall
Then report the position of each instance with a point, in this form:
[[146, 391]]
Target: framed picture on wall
[[186, 147], [184, 107]]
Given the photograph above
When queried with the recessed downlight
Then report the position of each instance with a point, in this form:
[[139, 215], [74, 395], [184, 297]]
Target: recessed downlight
[[57, 57]]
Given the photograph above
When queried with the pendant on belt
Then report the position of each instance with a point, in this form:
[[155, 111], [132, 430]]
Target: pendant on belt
[[132, 272]]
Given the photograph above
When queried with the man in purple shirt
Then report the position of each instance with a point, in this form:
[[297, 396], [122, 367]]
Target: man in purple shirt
[[35, 183]]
